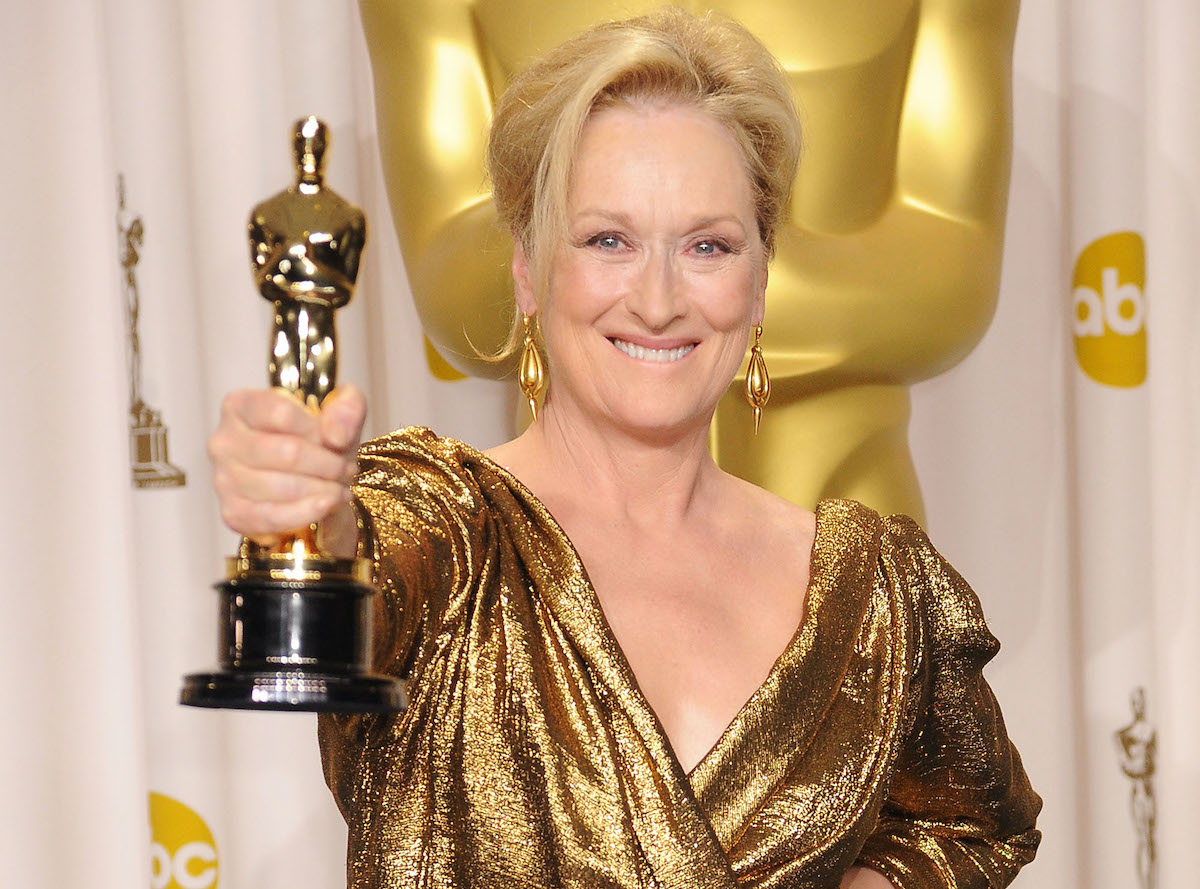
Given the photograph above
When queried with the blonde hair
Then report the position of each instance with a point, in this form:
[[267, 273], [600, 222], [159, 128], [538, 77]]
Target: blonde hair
[[709, 63]]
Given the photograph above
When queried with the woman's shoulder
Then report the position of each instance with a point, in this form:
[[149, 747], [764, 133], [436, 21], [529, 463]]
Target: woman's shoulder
[[759, 508], [890, 546], [843, 528], [912, 566], [845, 523], [422, 470], [413, 465], [407, 439], [890, 532], [416, 449]]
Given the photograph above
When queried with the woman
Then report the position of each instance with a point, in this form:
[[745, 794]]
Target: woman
[[736, 690]]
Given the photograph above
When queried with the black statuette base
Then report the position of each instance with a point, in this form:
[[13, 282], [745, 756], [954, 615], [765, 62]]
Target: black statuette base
[[300, 691], [294, 645]]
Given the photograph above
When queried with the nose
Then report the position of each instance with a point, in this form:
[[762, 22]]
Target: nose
[[656, 297]]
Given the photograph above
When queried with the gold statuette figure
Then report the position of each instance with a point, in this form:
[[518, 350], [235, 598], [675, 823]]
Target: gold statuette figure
[[886, 273], [296, 628], [305, 243]]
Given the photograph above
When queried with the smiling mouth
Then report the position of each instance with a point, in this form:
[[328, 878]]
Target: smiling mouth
[[662, 356]]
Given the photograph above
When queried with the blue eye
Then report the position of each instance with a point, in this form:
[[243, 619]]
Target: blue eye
[[605, 242], [710, 248]]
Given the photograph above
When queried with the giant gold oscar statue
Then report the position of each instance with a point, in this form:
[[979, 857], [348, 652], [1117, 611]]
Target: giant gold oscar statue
[[886, 273]]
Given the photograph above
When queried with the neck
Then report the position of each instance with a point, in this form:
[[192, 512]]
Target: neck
[[646, 480]]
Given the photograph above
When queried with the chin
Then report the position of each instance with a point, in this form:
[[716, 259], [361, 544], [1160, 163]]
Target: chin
[[658, 422]]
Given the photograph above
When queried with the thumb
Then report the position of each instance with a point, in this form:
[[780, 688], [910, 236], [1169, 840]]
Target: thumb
[[342, 416]]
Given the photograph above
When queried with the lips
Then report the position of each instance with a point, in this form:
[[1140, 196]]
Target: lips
[[643, 353]]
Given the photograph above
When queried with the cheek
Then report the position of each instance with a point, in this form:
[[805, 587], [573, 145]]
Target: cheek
[[578, 299], [581, 292], [729, 304]]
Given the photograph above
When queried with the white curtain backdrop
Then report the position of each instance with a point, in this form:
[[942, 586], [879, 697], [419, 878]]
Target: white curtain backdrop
[[1064, 489]]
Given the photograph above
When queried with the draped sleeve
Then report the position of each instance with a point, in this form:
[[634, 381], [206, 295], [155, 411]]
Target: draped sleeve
[[960, 811], [418, 523]]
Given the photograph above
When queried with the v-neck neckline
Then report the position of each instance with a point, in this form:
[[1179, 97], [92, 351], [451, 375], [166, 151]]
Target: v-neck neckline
[[794, 648]]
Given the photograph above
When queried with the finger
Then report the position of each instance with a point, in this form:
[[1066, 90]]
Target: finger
[[270, 410], [342, 416], [243, 448], [268, 486], [261, 520], [283, 453]]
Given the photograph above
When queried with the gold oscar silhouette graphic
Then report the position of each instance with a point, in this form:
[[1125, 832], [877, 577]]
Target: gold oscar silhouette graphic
[[886, 273], [1137, 746], [295, 631], [151, 466]]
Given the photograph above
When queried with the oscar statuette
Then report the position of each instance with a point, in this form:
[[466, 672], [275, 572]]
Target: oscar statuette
[[295, 624]]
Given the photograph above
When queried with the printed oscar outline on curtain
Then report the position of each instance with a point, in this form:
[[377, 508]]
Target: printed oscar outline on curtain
[[183, 853], [149, 463], [1109, 290], [1137, 744]]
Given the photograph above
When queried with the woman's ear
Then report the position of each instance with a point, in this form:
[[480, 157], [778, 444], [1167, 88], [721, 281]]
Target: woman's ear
[[760, 300], [523, 281]]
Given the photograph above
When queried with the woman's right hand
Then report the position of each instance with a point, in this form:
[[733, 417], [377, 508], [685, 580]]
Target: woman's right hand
[[277, 466]]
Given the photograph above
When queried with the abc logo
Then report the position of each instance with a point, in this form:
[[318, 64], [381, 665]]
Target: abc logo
[[182, 852], [1109, 290]]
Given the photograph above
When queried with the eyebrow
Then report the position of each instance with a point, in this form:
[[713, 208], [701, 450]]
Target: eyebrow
[[612, 215], [623, 219]]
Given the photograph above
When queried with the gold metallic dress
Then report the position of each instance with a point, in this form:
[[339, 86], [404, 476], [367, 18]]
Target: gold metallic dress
[[528, 757]]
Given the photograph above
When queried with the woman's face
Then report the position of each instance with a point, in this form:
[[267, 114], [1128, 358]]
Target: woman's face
[[654, 294]]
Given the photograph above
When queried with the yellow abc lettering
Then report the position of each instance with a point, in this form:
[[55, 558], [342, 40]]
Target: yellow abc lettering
[[1116, 298], [190, 877], [183, 853], [160, 866], [1109, 307], [1089, 312]]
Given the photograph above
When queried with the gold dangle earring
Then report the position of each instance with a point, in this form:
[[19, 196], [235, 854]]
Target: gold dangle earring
[[758, 381], [531, 376]]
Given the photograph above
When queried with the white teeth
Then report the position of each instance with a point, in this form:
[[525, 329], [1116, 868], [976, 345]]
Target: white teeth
[[663, 355]]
